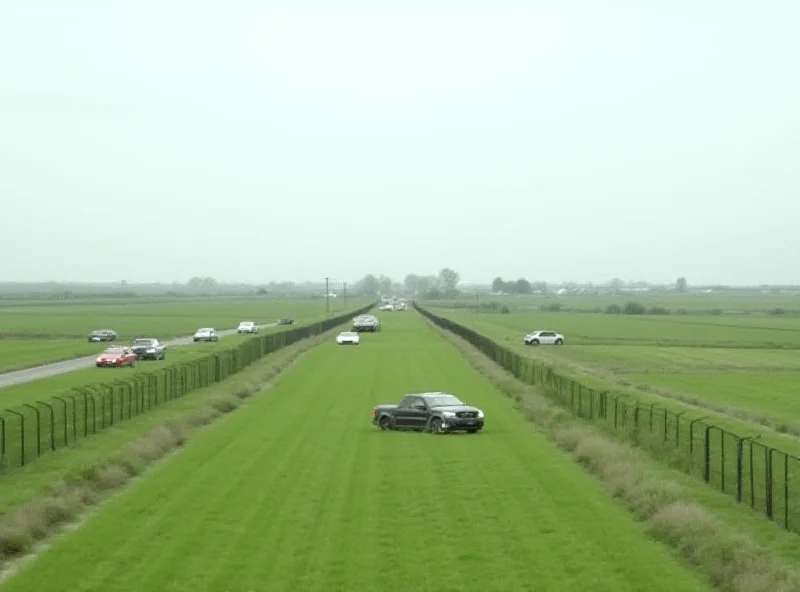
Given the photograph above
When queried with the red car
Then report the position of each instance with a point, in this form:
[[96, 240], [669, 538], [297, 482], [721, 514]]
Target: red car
[[116, 357]]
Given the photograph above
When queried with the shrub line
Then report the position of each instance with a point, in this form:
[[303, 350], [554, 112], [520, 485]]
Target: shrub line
[[731, 560]]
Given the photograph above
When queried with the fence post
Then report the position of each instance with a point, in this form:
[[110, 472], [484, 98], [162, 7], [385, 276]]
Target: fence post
[[678, 429], [707, 464], [38, 429], [21, 434], [691, 433], [52, 423], [85, 410], [786, 491], [740, 467], [768, 481], [74, 417], [616, 405], [722, 458], [64, 403], [666, 425], [2, 442], [110, 393]]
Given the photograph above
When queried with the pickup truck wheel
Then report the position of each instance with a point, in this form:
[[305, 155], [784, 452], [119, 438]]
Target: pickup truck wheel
[[383, 423], [436, 426]]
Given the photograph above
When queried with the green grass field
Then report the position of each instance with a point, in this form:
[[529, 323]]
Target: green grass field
[[668, 330], [724, 303], [16, 354], [32, 334], [297, 491], [698, 361]]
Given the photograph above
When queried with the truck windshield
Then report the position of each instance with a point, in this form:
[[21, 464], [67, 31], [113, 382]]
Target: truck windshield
[[443, 401]]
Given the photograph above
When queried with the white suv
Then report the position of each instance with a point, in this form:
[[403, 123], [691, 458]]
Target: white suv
[[544, 338], [247, 327]]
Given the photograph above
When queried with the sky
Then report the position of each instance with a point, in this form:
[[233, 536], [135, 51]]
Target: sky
[[256, 140]]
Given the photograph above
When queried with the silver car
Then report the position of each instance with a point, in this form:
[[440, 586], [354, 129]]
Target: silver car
[[206, 334], [544, 338]]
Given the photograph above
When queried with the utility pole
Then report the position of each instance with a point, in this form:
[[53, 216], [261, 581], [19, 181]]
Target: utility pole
[[344, 290], [327, 297]]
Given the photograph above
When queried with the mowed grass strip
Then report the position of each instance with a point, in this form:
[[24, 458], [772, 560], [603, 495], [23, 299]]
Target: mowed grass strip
[[297, 491]]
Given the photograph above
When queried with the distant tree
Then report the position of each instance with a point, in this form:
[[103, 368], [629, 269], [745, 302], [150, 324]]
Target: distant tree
[[425, 283], [681, 284], [498, 285], [634, 308], [385, 285], [522, 286], [369, 285], [411, 283], [202, 283], [616, 283], [448, 280], [540, 287]]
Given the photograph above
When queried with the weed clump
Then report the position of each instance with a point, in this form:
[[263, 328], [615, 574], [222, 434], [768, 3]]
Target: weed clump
[[225, 404]]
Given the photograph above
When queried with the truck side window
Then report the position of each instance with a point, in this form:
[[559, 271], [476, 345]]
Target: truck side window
[[405, 403]]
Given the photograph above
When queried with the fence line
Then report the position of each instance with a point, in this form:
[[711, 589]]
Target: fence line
[[754, 474], [39, 427]]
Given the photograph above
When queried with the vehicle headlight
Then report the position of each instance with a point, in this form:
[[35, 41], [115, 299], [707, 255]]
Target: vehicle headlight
[[448, 414], [480, 414]]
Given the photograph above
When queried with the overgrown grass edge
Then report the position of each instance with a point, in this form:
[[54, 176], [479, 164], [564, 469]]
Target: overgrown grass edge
[[731, 560]]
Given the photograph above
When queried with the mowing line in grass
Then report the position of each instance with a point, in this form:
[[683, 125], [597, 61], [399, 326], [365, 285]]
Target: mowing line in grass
[[299, 492]]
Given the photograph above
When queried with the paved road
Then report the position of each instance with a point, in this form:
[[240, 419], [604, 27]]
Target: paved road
[[31, 374]]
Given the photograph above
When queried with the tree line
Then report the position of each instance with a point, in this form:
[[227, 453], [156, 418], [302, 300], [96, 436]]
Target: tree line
[[428, 286]]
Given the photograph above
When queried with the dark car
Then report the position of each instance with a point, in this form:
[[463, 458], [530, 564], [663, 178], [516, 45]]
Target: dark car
[[437, 413], [149, 348], [102, 335], [286, 321]]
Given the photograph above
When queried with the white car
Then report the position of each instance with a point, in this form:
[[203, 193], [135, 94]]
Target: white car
[[206, 334], [544, 338], [348, 338], [247, 327], [387, 307]]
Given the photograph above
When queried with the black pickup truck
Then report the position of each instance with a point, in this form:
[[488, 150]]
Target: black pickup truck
[[437, 413], [148, 348]]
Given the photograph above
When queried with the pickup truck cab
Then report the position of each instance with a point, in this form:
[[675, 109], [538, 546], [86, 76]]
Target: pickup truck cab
[[435, 412]]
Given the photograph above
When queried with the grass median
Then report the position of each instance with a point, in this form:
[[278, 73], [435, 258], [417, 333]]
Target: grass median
[[299, 492]]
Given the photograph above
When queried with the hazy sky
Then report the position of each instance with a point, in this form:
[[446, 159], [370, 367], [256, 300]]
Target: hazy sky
[[575, 140]]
